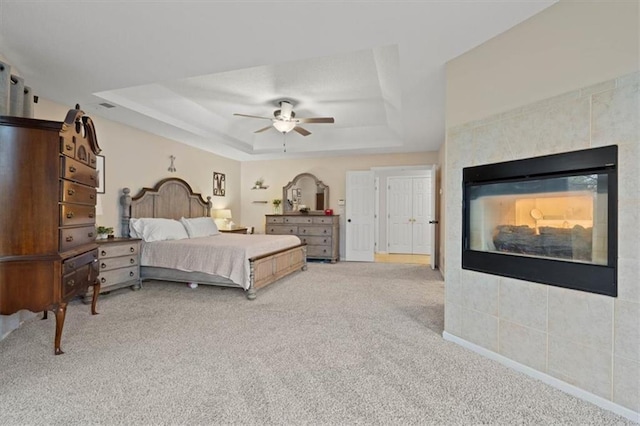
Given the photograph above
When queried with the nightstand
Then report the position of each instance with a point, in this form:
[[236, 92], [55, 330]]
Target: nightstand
[[119, 263], [234, 230]]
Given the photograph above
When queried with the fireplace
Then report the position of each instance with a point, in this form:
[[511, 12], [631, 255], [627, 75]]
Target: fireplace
[[550, 219]]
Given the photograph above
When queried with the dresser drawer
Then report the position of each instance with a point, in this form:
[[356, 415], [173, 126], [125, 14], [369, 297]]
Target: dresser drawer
[[117, 276], [318, 251], [77, 214], [77, 281], [68, 146], [74, 237], [118, 262], [282, 229], [325, 219], [115, 250], [316, 241], [78, 149], [314, 230], [76, 171], [271, 219], [297, 220], [73, 263], [75, 193]]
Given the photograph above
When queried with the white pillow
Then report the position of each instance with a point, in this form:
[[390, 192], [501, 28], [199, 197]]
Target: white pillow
[[156, 229], [200, 226], [132, 230]]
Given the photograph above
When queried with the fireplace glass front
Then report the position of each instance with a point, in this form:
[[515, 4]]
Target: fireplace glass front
[[548, 219], [555, 218]]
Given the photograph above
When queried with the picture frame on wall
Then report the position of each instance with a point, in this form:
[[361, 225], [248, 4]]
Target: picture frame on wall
[[219, 184], [100, 174]]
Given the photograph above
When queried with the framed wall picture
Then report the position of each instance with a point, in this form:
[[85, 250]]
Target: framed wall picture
[[100, 175], [219, 184]]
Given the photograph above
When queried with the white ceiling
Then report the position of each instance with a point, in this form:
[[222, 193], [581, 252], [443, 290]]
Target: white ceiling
[[180, 69]]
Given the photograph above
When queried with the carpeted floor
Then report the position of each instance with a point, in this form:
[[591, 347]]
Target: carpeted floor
[[350, 343]]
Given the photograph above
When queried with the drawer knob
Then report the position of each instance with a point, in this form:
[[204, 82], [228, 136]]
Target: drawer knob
[[68, 147], [91, 215], [71, 191], [325, 231], [92, 196], [71, 283], [103, 265], [304, 230], [72, 169], [132, 249], [132, 261], [93, 161], [72, 265], [69, 215], [92, 177], [131, 274], [90, 235], [103, 253], [103, 280], [69, 239]]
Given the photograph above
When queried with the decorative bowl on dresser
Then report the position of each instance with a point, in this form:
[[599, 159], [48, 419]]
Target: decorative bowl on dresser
[[321, 233], [119, 263], [48, 253]]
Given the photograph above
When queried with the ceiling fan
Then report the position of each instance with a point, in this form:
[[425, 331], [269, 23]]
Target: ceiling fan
[[284, 120]]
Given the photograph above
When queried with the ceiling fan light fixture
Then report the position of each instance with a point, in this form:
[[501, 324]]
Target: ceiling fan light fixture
[[284, 126]]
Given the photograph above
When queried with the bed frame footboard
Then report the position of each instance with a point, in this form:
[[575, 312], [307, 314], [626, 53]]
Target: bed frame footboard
[[270, 267]]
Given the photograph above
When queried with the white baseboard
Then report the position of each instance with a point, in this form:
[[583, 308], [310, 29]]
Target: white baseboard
[[545, 378]]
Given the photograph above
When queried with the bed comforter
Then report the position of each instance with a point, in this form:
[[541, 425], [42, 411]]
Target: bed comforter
[[225, 255]]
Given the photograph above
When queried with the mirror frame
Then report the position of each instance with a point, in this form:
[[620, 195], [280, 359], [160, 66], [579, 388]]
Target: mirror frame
[[319, 186]]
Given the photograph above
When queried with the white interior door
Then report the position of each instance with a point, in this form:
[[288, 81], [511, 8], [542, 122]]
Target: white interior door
[[409, 215], [420, 216], [399, 199], [360, 213], [433, 221]]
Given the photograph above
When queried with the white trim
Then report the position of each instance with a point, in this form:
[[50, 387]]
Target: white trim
[[545, 378]]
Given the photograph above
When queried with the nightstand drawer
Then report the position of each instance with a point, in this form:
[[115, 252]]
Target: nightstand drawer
[[117, 262], [119, 249], [117, 276]]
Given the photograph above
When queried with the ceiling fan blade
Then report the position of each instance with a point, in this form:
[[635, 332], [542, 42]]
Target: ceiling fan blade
[[316, 120], [252, 116], [264, 129], [303, 132]]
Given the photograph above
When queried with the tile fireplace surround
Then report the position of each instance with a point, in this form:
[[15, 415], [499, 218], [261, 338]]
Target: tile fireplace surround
[[584, 343]]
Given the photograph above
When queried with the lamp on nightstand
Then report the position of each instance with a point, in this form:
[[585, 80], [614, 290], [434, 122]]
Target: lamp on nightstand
[[224, 215]]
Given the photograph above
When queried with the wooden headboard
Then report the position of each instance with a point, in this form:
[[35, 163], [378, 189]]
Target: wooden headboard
[[171, 198]]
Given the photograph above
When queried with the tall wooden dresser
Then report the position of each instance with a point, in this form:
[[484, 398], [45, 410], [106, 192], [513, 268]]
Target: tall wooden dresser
[[48, 253], [321, 233]]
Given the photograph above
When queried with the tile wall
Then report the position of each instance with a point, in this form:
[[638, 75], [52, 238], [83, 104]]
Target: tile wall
[[587, 340]]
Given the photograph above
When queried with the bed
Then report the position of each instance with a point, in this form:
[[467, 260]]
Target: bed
[[210, 260]]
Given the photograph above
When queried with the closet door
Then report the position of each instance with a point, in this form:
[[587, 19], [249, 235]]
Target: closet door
[[400, 210], [409, 212], [421, 213]]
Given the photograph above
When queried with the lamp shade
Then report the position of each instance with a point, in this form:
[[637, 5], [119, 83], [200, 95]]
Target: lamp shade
[[222, 214]]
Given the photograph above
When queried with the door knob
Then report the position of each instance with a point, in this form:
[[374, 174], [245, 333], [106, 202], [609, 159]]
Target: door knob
[[433, 221], [349, 220]]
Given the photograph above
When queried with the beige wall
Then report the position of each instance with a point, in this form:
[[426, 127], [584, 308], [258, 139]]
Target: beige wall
[[571, 44], [138, 159], [531, 95], [330, 170]]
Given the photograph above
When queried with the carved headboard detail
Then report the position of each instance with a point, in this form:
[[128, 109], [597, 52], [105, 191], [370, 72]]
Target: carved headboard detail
[[171, 198]]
